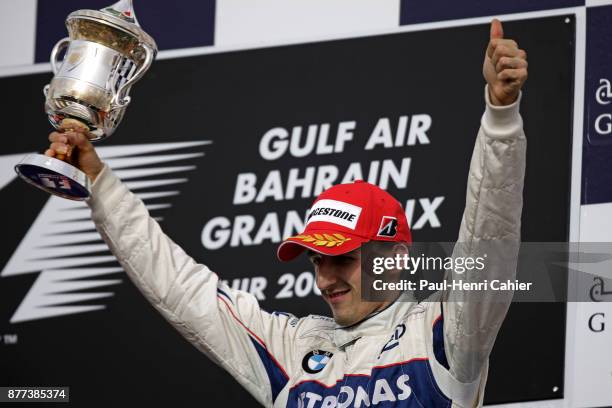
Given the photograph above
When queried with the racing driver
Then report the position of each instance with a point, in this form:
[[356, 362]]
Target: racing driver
[[371, 354]]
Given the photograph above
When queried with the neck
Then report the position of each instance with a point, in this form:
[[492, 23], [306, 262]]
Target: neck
[[383, 305]]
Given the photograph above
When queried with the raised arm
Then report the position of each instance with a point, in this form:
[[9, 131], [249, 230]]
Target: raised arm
[[227, 325], [491, 221]]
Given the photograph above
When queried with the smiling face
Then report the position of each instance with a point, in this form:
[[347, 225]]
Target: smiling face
[[339, 280]]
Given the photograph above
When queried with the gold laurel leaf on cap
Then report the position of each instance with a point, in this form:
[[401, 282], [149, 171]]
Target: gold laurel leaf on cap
[[323, 240]]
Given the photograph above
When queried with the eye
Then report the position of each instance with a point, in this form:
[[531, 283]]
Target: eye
[[345, 259]]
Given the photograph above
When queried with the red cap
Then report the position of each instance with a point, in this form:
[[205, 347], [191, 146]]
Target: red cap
[[345, 216]]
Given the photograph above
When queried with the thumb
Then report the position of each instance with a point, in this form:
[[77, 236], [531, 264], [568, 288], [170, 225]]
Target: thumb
[[68, 124], [497, 31], [79, 140]]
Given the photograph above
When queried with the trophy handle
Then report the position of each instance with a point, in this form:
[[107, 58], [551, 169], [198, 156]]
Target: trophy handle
[[121, 101], [61, 44]]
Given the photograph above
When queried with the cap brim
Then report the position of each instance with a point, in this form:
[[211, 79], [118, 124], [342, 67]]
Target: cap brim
[[323, 242]]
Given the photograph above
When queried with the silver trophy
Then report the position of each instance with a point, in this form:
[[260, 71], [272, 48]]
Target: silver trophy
[[107, 52]]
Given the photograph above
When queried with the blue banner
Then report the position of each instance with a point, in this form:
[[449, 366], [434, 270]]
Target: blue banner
[[189, 23], [422, 11], [597, 144]]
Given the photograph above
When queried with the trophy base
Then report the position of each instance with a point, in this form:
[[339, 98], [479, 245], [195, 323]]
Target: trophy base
[[54, 176]]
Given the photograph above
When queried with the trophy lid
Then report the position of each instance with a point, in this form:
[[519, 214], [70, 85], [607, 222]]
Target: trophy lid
[[121, 15]]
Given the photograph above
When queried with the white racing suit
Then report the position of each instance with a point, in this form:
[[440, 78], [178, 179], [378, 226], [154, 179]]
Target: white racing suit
[[429, 354]]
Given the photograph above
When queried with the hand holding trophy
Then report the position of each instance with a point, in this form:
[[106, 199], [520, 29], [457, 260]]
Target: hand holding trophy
[[107, 52]]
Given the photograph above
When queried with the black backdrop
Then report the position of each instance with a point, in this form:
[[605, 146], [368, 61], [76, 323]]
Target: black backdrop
[[127, 352]]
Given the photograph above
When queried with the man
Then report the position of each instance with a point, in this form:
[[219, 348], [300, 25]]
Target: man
[[388, 353]]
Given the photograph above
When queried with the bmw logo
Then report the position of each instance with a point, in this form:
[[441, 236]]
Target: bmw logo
[[315, 361]]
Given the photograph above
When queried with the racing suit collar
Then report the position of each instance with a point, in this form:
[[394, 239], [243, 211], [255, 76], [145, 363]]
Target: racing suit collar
[[377, 323]]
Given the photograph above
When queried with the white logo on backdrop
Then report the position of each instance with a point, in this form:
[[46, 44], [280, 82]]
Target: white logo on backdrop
[[62, 244], [603, 95]]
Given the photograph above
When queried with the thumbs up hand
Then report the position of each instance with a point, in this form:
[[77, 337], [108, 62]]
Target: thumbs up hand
[[504, 68]]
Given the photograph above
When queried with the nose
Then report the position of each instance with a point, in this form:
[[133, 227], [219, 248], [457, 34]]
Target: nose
[[326, 276]]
